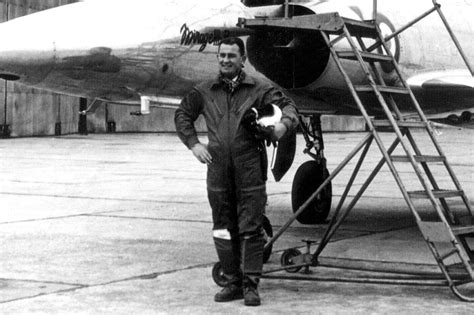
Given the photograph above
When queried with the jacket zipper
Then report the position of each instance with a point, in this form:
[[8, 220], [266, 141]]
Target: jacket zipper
[[229, 100]]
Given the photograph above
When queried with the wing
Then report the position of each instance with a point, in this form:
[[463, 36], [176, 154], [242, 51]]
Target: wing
[[444, 92], [448, 80]]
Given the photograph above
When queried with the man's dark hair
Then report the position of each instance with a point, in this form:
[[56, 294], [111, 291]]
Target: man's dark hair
[[234, 40]]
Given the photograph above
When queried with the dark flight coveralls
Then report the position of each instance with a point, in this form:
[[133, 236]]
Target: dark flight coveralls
[[237, 175]]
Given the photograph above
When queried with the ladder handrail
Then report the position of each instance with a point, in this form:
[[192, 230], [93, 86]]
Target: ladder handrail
[[453, 36], [287, 9], [436, 7], [374, 11], [402, 29]]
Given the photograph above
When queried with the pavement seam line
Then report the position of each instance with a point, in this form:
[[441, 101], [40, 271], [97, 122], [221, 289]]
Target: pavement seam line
[[41, 281], [99, 198], [145, 218], [150, 276], [55, 218]]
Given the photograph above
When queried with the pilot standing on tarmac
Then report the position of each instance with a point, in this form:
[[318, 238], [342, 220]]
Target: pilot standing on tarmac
[[237, 164]]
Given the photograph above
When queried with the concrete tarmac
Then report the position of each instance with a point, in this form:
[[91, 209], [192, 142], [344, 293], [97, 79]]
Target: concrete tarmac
[[120, 224]]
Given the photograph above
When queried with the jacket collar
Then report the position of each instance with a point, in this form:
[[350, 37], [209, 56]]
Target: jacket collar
[[247, 80]]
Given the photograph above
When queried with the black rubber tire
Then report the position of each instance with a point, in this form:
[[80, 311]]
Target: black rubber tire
[[453, 119], [218, 275], [267, 228], [466, 116], [286, 262], [309, 176]]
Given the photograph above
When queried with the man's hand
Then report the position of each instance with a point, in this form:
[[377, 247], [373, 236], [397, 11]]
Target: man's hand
[[201, 153], [271, 134], [280, 130]]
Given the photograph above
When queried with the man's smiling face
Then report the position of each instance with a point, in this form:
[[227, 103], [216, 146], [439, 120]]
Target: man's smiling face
[[231, 61]]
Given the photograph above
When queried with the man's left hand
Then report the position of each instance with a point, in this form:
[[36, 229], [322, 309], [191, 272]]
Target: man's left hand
[[271, 134], [280, 130]]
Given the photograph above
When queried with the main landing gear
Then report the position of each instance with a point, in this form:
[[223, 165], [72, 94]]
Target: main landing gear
[[311, 174]]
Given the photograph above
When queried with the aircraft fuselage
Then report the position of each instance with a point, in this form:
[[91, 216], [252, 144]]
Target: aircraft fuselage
[[113, 50]]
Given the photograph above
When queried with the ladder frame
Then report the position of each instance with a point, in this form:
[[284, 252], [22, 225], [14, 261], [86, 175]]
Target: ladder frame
[[336, 222], [334, 24]]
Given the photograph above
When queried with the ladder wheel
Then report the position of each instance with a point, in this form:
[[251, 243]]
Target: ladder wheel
[[268, 233], [287, 260], [309, 176], [218, 275]]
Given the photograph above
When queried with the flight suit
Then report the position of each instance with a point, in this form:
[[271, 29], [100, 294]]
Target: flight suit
[[237, 175]]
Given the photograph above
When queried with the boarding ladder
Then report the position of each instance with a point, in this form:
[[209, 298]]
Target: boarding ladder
[[445, 234]]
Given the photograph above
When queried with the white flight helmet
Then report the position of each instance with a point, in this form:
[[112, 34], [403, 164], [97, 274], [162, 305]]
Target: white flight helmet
[[270, 118]]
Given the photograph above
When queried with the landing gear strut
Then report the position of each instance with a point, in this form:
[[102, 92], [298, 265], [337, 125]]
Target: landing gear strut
[[311, 174]]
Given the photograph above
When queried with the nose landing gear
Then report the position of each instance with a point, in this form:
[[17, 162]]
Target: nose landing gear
[[311, 174]]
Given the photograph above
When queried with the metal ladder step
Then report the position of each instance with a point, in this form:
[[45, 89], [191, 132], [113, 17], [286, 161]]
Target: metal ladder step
[[366, 56], [402, 124], [361, 28], [448, 254], [419, 158], [439, 232], [421, 194], [383, 89], [463, 230], [329, 22], [436, 231]]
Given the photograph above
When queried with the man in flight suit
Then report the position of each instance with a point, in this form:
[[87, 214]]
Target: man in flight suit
[[237, 164]]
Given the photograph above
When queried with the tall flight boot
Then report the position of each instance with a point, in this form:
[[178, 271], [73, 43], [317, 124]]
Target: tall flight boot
[[252, 261], [228, 252]]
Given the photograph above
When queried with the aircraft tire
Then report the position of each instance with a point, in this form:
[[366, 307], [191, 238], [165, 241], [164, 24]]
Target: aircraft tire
[[309, 176], [453, 119], [466, 116]]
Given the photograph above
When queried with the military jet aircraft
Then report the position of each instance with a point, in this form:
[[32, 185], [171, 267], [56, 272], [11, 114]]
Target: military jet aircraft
[[153, 52]]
